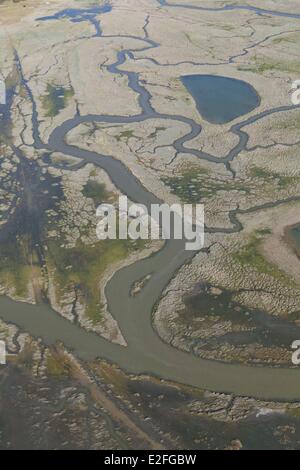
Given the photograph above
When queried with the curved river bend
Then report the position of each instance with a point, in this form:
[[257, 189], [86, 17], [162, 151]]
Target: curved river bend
[[146, 352]]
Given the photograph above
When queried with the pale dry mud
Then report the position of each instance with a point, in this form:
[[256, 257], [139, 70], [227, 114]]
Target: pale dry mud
[[278, 250], [269, 7]]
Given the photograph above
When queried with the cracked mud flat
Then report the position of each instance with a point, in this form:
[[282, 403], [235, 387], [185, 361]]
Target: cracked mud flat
[[83, 149]]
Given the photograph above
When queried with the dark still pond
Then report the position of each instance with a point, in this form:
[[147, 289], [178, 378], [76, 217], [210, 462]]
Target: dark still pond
[[221, 99]]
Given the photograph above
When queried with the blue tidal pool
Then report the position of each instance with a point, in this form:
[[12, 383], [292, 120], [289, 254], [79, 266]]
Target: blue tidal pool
[[221, 99]]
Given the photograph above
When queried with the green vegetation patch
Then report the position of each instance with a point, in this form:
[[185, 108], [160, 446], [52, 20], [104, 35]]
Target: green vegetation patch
[[56, 99], [294, 412], [15, 270], [81, 268], [125, 135], [57, 367], [271, 176], [261, 65], [250, 255], [95, 191], [155, 132], [195, 184]]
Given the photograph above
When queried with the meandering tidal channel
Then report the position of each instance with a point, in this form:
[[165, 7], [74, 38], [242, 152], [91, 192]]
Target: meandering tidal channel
[[146, 352]]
